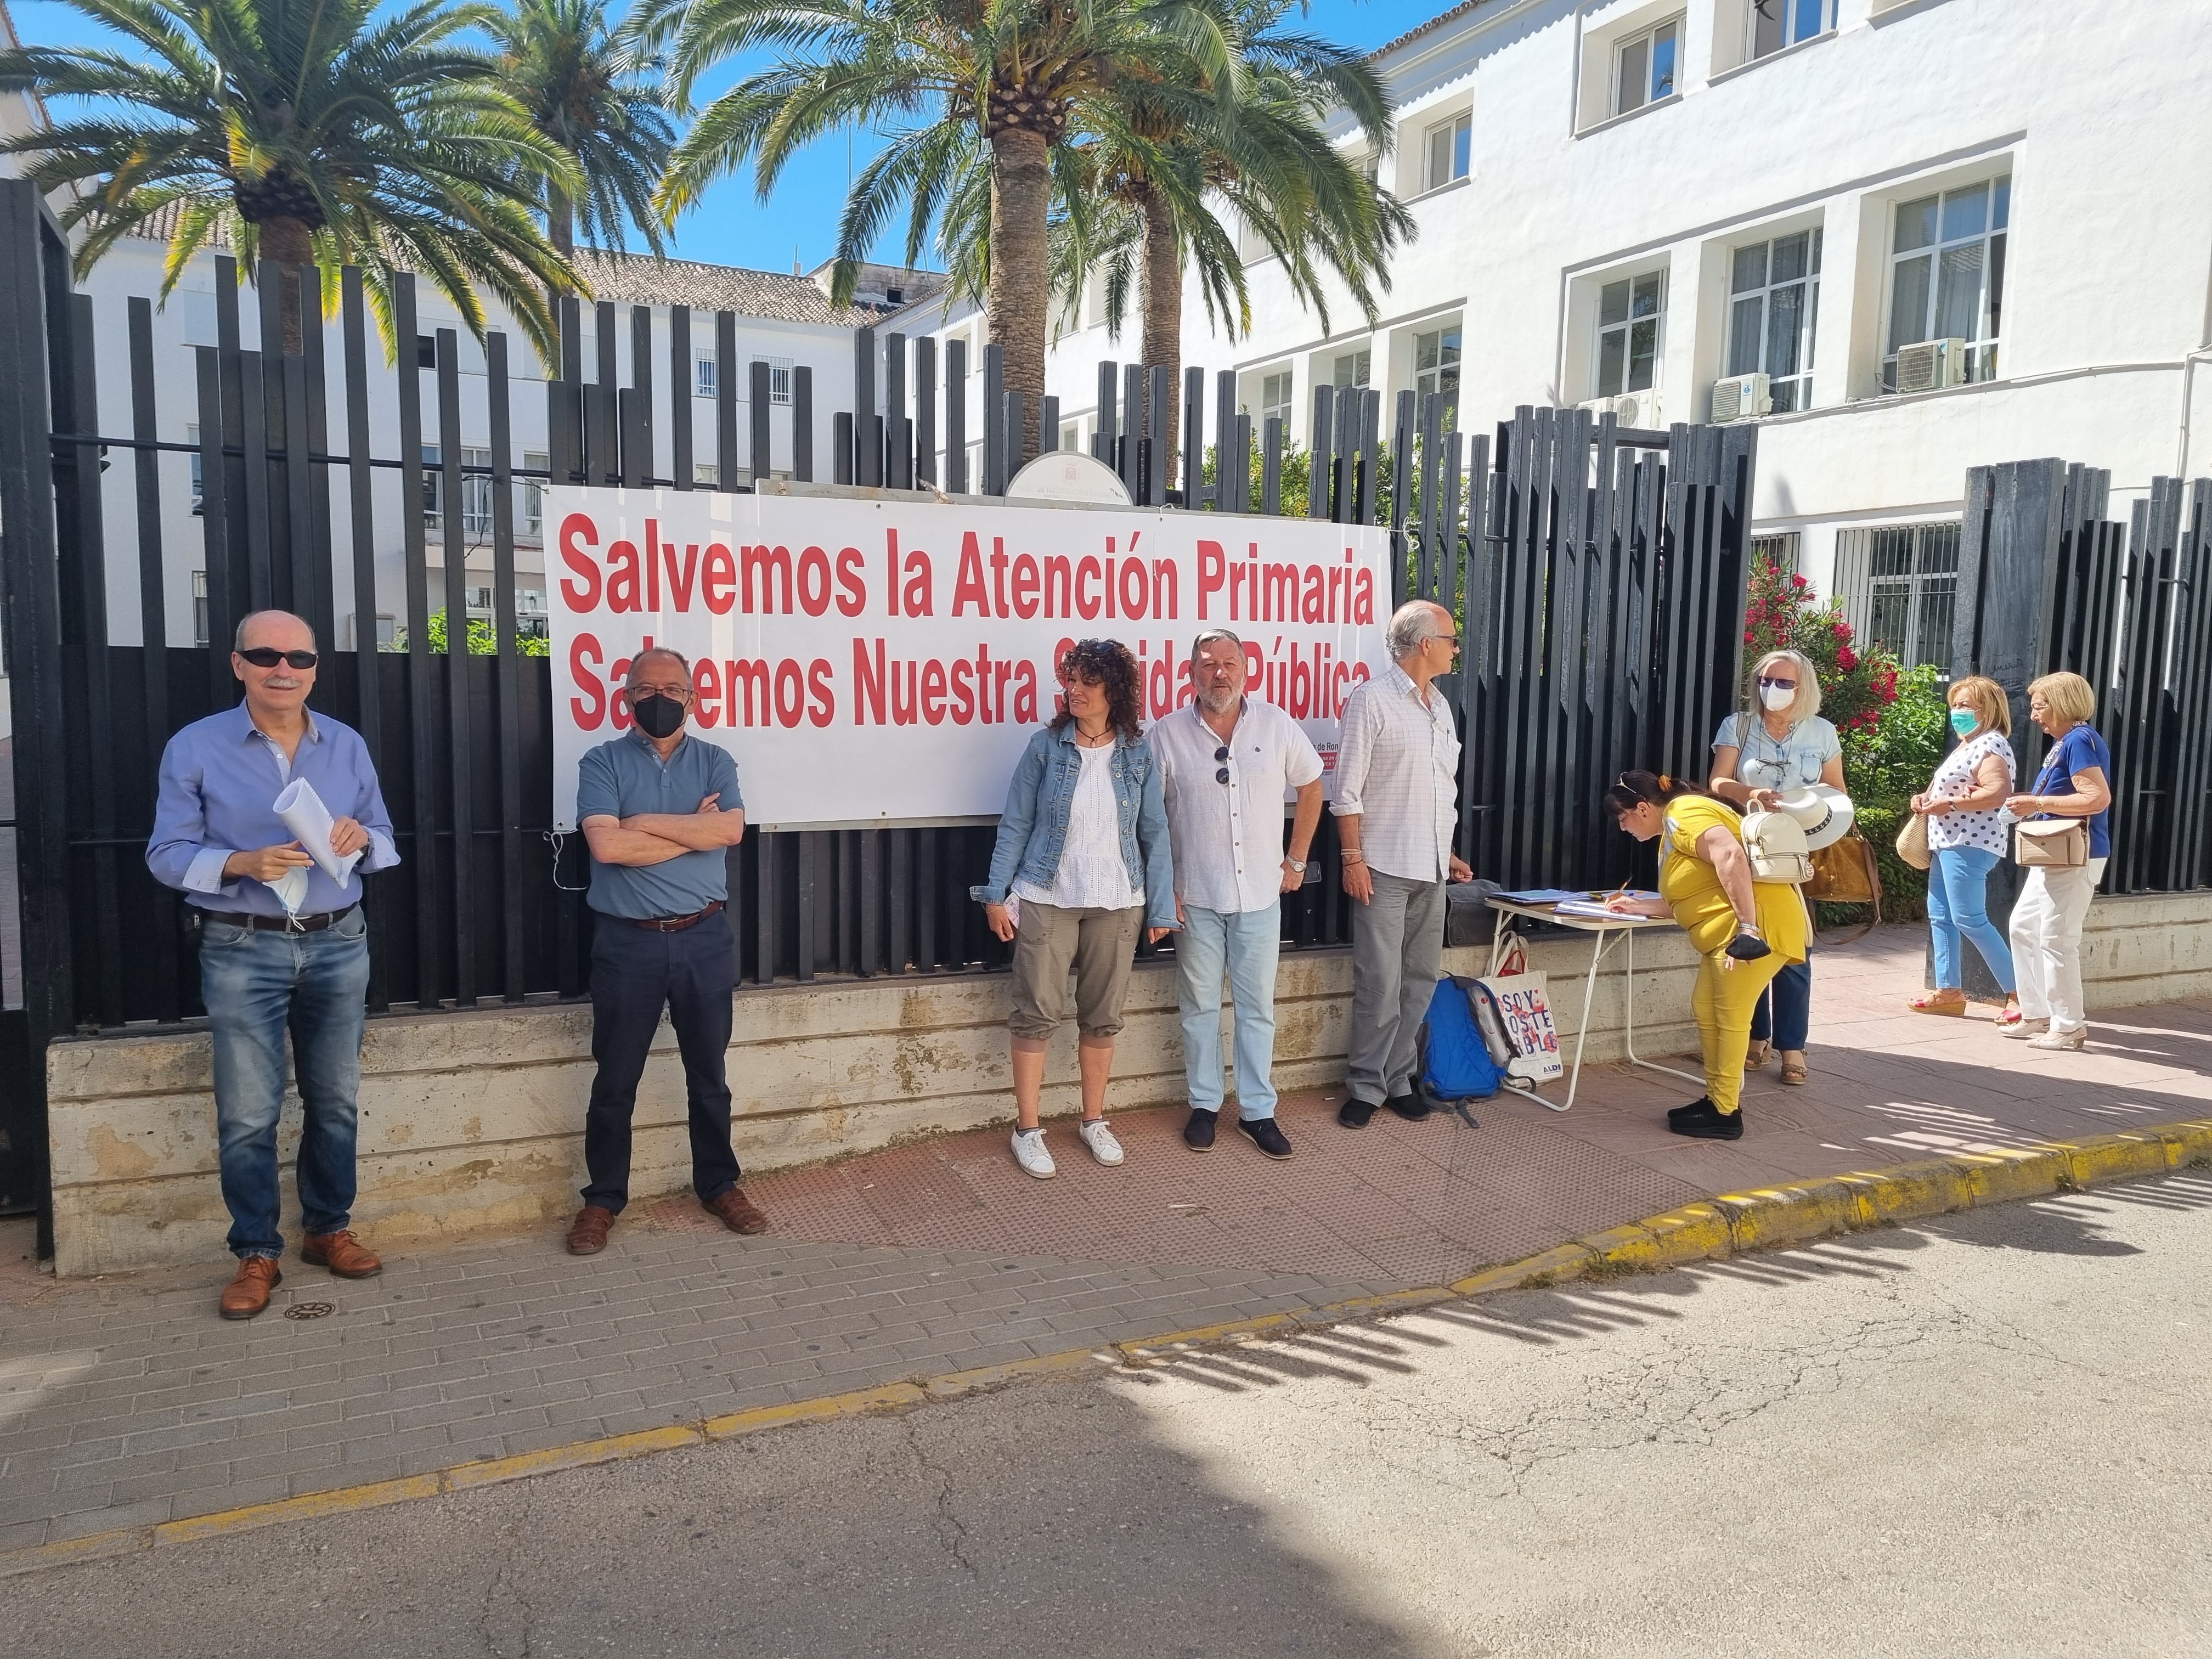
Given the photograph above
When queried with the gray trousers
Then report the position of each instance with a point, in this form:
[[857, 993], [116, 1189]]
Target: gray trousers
[[1397, 944]]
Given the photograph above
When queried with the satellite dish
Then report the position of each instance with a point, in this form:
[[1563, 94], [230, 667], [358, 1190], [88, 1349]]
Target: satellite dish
[[1068, 475]]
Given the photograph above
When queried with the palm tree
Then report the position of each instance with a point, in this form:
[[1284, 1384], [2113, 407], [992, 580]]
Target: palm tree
[[952, 82], [583, 91], [1159, 156], [305, 134]]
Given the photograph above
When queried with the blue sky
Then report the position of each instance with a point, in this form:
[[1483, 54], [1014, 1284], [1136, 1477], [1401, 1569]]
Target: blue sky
[[732, 226]]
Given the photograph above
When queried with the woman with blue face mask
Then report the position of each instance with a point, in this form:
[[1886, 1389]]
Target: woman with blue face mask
[[1965, 839], [1779, 744]]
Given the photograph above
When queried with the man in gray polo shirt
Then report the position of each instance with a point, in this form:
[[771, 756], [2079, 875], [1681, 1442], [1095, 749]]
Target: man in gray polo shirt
[[660, 810]]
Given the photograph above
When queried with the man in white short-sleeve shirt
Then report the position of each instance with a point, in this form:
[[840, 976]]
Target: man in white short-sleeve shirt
[[1226, 761], [1397, 791]]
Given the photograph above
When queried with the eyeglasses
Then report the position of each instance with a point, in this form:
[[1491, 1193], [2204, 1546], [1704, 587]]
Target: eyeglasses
[[1451, 640], [680, 693], [1221, 776], [263, 656], [1766, 680]]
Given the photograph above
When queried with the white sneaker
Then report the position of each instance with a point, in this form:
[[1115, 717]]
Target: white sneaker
[[1030, 1153], [1100, 1139]]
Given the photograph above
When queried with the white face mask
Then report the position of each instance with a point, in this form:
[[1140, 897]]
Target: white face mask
[[1776, 698]]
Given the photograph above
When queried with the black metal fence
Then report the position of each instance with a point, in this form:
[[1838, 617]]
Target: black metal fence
[[2048, 582], [1600, 573]]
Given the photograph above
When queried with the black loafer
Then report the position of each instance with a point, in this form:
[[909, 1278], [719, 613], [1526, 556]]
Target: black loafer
[[1354, 1113], [1266, 1134], [1410, 1106], [1198, 1133], [1705, 1122]]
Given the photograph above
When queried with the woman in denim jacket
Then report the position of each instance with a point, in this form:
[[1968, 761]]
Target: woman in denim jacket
[[1081, 863]]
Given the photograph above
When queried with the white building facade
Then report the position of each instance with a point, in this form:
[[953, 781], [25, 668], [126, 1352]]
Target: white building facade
[[1907, 236], [786, 321]]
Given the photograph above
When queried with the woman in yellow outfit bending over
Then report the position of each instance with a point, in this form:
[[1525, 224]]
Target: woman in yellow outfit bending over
[[1747, 931]]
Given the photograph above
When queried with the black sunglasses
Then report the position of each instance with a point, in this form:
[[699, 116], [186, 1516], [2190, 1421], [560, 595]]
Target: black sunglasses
[[263, 656], [1221, 774]]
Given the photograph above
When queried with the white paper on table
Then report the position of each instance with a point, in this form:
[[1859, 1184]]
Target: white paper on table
[[304, 814]]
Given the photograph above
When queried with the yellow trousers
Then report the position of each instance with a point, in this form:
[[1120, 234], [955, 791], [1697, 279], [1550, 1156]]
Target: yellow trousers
[[1722, 1003]]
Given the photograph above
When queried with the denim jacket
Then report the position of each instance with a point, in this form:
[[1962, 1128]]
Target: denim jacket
[[1033, 827]]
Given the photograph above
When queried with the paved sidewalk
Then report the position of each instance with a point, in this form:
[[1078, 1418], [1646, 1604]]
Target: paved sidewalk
[[126, 1401]]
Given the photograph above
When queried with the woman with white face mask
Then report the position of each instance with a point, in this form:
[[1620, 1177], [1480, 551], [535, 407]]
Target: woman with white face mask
[[1781, 744]]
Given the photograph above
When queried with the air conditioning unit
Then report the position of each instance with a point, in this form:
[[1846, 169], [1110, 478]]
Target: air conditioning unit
[[1639, 409], [1636, 409], [1931, 365], [1741, 397]]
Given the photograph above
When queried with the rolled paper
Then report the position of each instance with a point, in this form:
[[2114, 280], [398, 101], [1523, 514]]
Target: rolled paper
[[304, 814]]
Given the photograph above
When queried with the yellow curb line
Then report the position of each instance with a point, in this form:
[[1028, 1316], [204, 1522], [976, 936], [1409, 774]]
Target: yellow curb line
[[1733, 1224]]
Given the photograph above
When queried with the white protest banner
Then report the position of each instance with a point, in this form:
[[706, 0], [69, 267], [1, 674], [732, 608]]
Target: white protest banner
[[876, 661]]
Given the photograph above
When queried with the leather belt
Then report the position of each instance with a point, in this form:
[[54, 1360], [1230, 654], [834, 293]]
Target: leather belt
[[671, 924], [314, 924]]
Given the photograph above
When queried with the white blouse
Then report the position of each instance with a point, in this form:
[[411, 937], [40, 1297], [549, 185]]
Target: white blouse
[[1092, 874], [1954, 781]]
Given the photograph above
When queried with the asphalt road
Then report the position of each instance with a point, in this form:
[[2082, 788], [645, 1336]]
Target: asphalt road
[[1986, 1436]]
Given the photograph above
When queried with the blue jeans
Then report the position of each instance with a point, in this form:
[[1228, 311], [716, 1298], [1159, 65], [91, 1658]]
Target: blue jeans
[[1247, 946], [1785, 1017], [1958, 903], [256, 987]]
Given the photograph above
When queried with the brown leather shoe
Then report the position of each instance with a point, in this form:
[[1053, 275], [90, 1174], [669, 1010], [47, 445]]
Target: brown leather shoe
[[248, 1294], [343, 1253], [738, 1212], [588, 1233]]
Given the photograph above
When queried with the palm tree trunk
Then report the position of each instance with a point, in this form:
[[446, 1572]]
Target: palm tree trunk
[[1021, 190], [1163, 306], [291, 245], [560, 222]]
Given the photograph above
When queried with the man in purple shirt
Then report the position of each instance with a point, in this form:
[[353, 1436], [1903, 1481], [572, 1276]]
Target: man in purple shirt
[[283, 942]]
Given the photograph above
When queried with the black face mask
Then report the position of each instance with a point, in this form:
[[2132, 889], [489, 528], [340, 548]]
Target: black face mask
[[656, 716]]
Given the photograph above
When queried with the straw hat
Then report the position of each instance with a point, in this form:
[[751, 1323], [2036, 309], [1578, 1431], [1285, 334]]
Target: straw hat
[[1824, 813]]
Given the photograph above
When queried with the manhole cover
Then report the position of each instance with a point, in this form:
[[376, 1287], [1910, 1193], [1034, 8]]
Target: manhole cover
[[310, 1309]]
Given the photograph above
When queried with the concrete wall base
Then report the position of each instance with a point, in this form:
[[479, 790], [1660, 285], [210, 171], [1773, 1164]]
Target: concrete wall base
[[471, 1120]]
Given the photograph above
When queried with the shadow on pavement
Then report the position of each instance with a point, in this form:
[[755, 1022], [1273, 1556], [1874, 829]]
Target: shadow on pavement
[[1043, 1520]]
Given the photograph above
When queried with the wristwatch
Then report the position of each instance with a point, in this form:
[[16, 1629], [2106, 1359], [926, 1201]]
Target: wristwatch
[[1297, 866]]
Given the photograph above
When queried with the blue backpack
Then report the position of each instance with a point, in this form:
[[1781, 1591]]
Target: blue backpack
[[1456, 1066]]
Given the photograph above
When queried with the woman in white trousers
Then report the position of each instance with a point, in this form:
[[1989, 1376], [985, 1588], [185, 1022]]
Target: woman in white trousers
[[2054, 900]]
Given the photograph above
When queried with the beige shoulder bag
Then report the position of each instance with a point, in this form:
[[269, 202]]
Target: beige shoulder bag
[[2062, 843]]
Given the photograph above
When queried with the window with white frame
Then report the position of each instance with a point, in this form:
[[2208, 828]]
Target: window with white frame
[[1275, 401], [533, 492], [1645, 66], [1774, 24], [530, 619], [703, 368], [1436, 369], [1448, 146], [1778, 550], [709, 473], [1351, 367], [1774, 302], [476, 495], [779, 379], [1900, 586], [434, 490], [1946, 275], [1630, 314]]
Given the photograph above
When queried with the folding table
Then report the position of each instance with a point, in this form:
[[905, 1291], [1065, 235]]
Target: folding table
[[1606, 930]]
